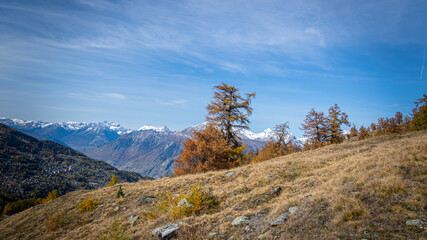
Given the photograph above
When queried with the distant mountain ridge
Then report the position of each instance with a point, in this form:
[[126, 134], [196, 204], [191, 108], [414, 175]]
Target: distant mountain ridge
[[33, 168], [149, 150]]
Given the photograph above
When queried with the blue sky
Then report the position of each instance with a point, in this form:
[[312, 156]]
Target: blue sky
[[140, 62]]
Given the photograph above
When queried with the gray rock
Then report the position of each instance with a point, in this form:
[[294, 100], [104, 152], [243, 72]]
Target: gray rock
[[166, 231], [277, 190], [229, 174], [117, 209], [132, 219], [415, 222], [146, 199], [293, 210], [240, 220], [263, 236], [184, 203], [213, 233], [282, 218]]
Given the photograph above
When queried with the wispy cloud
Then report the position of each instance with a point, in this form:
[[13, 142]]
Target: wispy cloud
[[115, 95], [174, 102]]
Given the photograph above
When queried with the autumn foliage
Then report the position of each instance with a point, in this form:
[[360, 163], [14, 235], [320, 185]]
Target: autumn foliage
[[205, 151]]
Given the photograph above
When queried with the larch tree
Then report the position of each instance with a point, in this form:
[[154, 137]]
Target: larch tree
[[230, 112], [270, 150], [281, 131], [314, 127], [353, 131], [363, 133], [419, 120], [336, 119], [206, 150]]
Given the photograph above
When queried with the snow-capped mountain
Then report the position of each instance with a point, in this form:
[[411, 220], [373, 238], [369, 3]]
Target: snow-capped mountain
[[262, 136], [77, 135], [154, 128], [149, 150]]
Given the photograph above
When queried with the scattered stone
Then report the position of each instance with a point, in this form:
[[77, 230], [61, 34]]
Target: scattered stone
[[240, 220], [184, 203], [146, 199], [263, 236], [117, 209], [293, 210], [415, 222], [229, 174], [132, 219], [277, 191], [247, 229], [282, 218], [270, 176], [166, 231]]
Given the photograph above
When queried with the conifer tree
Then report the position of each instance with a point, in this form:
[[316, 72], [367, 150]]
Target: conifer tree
[[230, 111], [314, 127], [270, 150], [420, 114], [120, 192], [281, 131], [206, 150], [373, 126], [353, 131], [336, 118], [363, 133]]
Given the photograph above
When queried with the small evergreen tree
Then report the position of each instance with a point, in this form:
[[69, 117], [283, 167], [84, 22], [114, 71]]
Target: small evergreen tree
[[120, 192]]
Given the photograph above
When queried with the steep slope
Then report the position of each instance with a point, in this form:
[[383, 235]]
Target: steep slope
[[32, 168], [372, 189]]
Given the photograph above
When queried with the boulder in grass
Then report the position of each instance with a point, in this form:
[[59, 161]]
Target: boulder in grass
[[166, 231], [240, 220], [282, 218]]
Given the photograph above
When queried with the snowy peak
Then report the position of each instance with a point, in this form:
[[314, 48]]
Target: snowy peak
[[262, 136], [68, 126], [153, 128]]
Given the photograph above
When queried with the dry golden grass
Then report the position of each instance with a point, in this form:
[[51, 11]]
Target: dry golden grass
[[355, 190]]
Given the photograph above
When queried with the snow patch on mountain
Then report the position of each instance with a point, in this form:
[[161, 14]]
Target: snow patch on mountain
[[154, 128]]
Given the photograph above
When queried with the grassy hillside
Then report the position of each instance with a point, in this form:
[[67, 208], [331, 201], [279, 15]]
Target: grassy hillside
[[358, 190]]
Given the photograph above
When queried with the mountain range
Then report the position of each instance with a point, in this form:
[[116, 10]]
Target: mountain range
[[149, 150], [33, 168]]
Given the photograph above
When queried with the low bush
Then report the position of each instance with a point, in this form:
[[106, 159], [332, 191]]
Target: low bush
[[116, 232], [55, 222], [197, 201], [88, 204]]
